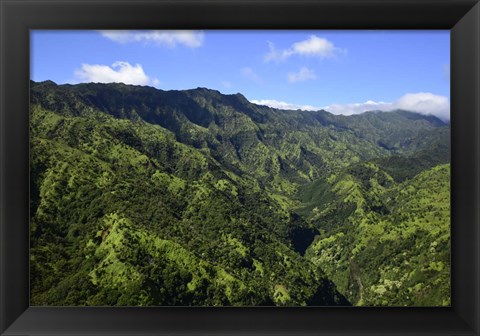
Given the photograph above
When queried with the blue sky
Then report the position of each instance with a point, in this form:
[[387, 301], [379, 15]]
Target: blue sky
[[345, 72]]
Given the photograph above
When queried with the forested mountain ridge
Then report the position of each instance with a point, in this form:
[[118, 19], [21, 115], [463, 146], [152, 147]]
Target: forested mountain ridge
[[150, 197], [246, 136]]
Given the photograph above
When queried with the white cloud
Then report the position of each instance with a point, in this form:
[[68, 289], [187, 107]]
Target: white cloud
[[422, 102], [169, 38], [227, 84], [302, 75], [357, 108], [425, 103], [119, 72], [284, 105], [250, 74], [314, 46]]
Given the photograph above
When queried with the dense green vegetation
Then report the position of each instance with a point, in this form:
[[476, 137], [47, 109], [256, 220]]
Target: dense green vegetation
[[148, 197], [384, 243]]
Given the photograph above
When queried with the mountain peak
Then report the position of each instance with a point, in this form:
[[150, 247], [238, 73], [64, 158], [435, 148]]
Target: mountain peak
[[44, 83]]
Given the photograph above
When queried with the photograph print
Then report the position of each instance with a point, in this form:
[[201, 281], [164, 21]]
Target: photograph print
[[240, 168]]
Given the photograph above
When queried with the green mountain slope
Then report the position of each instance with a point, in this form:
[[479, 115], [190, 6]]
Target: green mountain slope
[[148, 197], [113, 225], [384, 243], [280, 148]]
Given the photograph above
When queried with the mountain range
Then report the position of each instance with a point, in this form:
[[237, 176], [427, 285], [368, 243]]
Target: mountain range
[[141, 196]]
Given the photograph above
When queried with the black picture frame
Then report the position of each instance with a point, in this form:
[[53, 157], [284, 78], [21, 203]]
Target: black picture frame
[[17, 17]]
